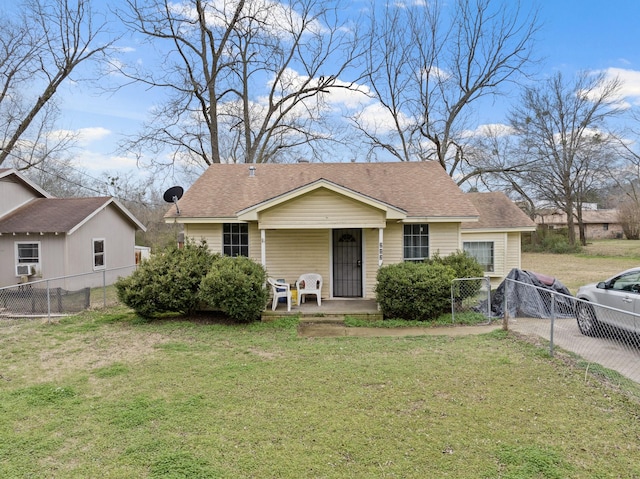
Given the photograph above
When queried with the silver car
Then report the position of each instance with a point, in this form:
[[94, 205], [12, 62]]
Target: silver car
[[621, 292]]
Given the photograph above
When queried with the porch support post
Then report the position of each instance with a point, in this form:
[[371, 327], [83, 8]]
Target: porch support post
[[380, 245], [263, 248]]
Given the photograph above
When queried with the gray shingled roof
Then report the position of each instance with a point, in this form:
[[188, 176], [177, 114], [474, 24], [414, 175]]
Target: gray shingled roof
[[51, 215], [421, 189], [497, 211]]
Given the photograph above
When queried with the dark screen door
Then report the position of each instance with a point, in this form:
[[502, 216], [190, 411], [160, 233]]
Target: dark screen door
[[347, 263]]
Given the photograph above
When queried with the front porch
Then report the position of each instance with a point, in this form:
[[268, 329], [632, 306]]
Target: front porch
[[331, 310]]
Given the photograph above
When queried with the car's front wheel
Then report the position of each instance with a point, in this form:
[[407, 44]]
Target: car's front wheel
[[587, 321]]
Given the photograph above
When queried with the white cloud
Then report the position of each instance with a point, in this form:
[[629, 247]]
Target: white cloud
[[84, 136], [89, 135], [630, 80], [100, 162], [376, 117], [490, 130], [355, 96]]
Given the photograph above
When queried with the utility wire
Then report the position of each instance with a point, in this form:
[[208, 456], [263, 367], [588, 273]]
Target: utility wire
[[71, 182]]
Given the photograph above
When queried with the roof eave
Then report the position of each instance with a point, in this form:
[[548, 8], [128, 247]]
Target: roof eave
[[25, 180], [251, 213], [441, 219], [509, 229], [202, 220]]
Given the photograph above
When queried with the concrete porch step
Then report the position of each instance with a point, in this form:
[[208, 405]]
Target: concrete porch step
[[331, 311]]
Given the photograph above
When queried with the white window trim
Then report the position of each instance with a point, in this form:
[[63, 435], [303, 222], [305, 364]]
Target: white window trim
[[35, 265], [428, 235], [93, 254], [493, 248]]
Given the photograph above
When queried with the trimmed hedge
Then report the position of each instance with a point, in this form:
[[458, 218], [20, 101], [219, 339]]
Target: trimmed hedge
[[414, 291]]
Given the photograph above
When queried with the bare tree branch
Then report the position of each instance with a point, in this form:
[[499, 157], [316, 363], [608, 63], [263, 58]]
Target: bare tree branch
[[37, 54], [428, 66], [247, 81], [563, 127]]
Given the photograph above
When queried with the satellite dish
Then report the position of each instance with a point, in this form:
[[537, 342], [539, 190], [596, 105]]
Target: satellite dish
[[172, 195]]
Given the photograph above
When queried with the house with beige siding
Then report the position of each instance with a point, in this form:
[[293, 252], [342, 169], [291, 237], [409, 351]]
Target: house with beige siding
[[495, 239], [344, 220], [42, 237]]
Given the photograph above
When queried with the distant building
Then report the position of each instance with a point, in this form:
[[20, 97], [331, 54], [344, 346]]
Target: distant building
[[599, 224]]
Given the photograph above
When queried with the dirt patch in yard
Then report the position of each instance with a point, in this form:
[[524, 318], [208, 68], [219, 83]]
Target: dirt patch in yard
[[87, 353], [327, 330]]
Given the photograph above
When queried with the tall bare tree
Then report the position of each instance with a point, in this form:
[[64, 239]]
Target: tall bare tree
[[247, 81], [39, 50], [562, 127], [627, 178], [429, 64]]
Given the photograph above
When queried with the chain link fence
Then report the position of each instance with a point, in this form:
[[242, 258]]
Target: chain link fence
[[53, 297], [598, 336], [470, 295]]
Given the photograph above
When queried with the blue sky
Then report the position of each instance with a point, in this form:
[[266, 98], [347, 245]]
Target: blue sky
[[576, 35]]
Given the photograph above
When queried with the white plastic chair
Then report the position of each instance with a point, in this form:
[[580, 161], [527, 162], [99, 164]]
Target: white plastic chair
[[309, 283], [280, 290]]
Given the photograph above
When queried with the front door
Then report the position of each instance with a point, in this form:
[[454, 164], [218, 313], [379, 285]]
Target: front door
[[347, 263]]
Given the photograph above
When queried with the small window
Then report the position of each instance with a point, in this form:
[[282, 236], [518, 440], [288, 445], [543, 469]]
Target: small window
[[416, 242], [98, 254], [28, 253], [482, 251], [235, 239]]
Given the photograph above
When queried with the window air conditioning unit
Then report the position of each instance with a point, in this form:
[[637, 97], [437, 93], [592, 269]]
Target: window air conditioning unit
[[25, 269]]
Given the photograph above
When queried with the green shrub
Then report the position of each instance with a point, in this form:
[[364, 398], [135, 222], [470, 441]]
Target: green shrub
[[420, 291], [559, 245], [167, 282], [551, 241], [236, 286], [465, 266]]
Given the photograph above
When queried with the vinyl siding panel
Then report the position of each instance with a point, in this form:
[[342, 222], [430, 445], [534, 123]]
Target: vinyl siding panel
[[52, 257], [513, 253], [444, 238], [370, 261], [321, 209], [503, 257], [393, 244], [212, 234], [119, 244], [13, 194], [292, 253]]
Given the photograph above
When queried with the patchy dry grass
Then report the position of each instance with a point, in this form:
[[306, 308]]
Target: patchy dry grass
[[107, 395]]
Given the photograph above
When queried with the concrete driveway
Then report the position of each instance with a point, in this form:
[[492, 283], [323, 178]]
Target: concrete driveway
[[621, 356]]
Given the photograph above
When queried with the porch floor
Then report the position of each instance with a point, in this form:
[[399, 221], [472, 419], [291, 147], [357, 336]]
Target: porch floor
[[331, 310]]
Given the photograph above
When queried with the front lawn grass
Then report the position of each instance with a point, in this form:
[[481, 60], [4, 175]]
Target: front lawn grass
[[109, 395]]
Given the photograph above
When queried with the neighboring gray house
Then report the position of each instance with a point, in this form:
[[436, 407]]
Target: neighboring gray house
[[42, 237]]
